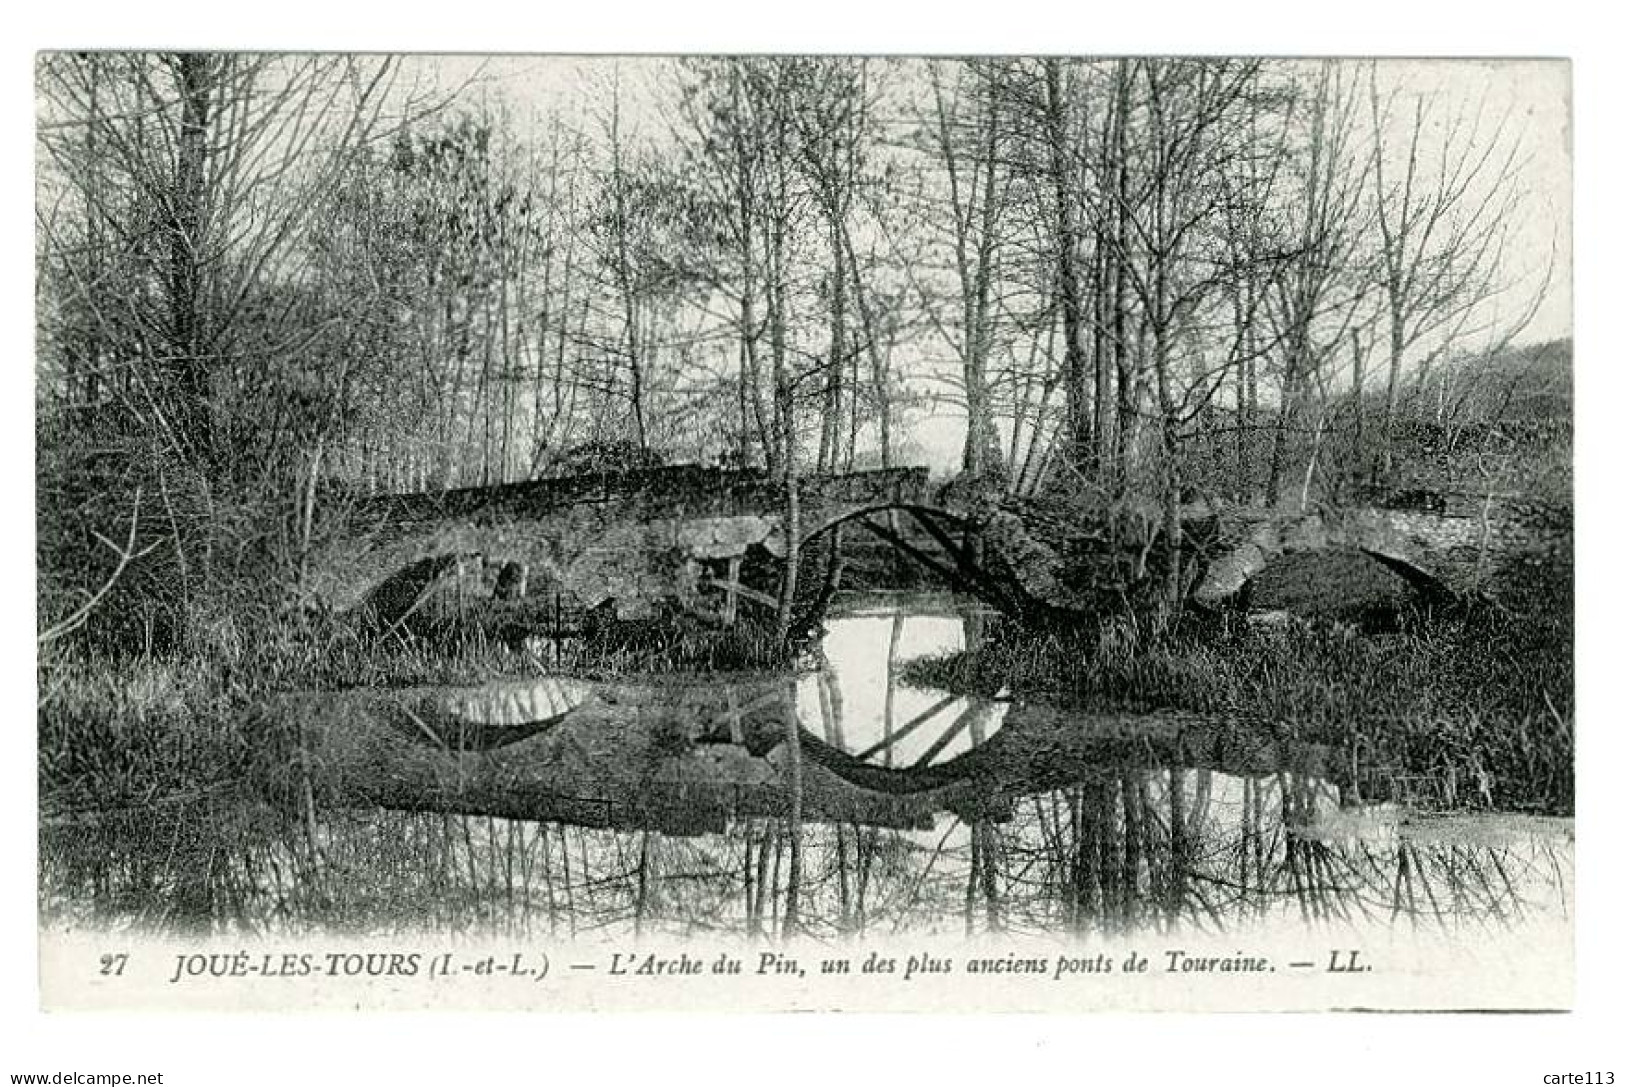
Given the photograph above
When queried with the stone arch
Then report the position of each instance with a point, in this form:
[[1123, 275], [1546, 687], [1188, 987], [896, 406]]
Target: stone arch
[[1269, 539], [957, 564], [393, 599], [410, 568], [912, 508], [1427, 584]]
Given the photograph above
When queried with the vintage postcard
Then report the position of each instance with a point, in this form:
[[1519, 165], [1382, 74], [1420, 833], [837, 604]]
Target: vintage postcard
[[804, 532]]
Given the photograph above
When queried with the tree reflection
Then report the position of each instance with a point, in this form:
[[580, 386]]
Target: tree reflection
[[1127, 853], [736, 808]]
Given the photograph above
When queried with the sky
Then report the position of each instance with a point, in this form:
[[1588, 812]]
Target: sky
[[1531, 95], [1534, 97], [1531, 98]]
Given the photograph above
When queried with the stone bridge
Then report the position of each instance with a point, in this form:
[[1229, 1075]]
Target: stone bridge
[[1444, 545], [636, 538], [628, 537]]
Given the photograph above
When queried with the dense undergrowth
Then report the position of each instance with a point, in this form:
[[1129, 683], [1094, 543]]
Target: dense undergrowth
[[119, 727], [1477, 702]]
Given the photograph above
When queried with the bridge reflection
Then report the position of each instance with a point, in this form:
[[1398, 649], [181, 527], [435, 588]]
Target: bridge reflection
[[833, 802]]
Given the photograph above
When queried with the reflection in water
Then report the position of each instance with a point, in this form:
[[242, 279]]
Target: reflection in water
[[834, 802]]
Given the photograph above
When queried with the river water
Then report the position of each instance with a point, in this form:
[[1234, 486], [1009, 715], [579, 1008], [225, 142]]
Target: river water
[[837, 801]]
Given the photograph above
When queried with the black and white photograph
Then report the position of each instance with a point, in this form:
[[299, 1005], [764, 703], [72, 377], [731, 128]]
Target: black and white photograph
[[787, 532]]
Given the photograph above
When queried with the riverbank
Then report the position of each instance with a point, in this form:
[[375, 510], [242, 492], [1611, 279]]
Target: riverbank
[[1468, 710], [119, 728]]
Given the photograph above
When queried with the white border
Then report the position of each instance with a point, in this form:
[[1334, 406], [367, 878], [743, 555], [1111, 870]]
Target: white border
[[1157, 1049]]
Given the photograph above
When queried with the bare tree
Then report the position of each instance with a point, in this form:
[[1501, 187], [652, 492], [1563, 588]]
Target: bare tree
[[1445, 190], [968, 138], [1316, 294], [201, 170], [1190, 130]]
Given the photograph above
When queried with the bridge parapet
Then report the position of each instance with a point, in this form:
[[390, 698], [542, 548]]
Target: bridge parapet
[[685, 489]]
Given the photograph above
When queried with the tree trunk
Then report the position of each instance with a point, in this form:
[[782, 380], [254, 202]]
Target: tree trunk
[[1077, 374], [196, 75], [1396, 352], [1123, 359], [1359, 404]]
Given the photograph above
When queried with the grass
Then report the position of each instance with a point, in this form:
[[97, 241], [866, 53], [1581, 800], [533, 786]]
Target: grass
[[1480, 698], [119, 728], [671, 646]]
